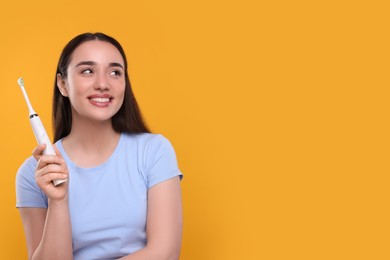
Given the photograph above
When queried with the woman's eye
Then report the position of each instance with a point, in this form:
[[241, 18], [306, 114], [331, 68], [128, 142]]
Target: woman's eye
[[86, 71], [116, 73]]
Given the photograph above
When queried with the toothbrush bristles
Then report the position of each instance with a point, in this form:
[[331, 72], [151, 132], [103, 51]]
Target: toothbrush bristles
[[21, 82]]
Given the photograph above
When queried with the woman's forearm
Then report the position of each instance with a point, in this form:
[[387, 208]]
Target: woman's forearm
[[56, 241], [142, 254], [152, 254]]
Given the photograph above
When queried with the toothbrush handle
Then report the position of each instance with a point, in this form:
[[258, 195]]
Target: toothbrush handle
[[42, 138]]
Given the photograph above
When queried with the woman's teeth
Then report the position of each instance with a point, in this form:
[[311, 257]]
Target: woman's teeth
[[100, 99]]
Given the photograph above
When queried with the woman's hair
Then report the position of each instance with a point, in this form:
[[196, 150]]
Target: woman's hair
[[128, 119]]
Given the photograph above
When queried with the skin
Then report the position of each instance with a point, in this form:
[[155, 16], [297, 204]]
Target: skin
[[95, 74]]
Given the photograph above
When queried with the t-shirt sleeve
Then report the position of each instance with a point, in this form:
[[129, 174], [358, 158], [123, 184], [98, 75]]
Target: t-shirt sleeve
[[162, 163], [28, 193]]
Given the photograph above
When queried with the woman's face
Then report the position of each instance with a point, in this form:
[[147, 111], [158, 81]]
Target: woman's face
[[96, 82]]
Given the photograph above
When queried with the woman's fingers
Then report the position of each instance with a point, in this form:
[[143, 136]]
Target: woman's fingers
[[48, 178], [57, 151], [50, 168], [51, 171], [38, 151], [48, 159], [51, 165]]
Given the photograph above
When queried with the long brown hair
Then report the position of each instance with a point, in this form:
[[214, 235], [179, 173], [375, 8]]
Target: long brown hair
[[128, 119]]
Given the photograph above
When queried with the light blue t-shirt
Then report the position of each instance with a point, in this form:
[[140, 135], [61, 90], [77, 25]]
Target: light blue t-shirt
[[108, 203]]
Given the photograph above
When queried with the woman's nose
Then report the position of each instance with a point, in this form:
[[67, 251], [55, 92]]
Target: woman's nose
[[102, 83]]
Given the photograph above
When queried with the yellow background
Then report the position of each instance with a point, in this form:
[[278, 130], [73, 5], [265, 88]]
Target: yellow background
[[278, 111]]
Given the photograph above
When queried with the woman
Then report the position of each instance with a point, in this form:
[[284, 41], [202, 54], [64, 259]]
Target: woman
[[122, 197]]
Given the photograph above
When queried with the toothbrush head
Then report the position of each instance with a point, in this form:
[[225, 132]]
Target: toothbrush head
[[21, 82]]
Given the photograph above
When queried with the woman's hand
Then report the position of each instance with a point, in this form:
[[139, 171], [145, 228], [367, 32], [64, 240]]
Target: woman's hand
[[49, 168]]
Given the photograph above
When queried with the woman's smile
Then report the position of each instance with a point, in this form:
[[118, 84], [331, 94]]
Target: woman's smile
[[102, 100]]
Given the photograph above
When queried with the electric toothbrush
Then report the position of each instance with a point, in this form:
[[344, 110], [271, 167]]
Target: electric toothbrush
[[38, 128]]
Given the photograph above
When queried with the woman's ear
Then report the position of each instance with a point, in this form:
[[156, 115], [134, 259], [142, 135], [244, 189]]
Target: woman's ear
[[61, 84]]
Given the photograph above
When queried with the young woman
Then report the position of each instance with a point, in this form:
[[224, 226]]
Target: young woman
[[122, 197]]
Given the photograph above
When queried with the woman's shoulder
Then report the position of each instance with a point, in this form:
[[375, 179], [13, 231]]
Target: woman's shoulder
[[148, 142], [28, 165], [145, 138], [26, 171]]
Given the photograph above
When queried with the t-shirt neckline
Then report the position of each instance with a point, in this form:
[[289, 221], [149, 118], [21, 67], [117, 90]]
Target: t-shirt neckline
[[71, 163]]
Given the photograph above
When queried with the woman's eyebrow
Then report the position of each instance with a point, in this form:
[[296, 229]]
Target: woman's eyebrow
[[92, 63], [89, 63], [116, 64]]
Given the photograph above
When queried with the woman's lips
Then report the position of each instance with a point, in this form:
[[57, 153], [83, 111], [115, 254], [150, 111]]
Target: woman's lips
[[100, 100]]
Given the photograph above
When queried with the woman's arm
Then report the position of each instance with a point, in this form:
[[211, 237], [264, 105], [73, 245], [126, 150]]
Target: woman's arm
[[48, 231], [164, 223], [33, 220]]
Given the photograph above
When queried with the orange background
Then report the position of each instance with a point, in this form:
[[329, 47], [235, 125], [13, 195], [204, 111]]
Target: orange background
[[278, 111]]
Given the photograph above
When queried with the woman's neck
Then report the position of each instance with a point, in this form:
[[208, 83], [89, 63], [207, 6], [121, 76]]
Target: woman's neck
[[90, 143]]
